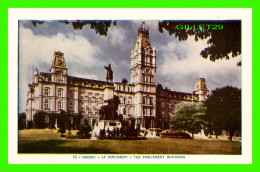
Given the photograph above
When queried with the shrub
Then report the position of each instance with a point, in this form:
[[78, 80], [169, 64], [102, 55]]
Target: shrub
[[84, 132], [175, 134]]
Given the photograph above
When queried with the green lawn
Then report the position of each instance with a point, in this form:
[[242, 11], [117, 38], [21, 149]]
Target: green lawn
[[46, 141]]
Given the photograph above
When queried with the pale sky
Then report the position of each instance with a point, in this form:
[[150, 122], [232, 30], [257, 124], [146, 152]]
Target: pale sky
[[86, 53]]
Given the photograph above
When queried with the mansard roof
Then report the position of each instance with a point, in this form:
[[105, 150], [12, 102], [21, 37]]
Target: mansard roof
[[159, 89], [91, 80], [79, 79]]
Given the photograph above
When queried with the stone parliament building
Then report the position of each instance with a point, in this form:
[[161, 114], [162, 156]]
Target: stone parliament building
[[143, 104]]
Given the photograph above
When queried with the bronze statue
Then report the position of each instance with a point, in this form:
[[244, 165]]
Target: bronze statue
[[109, 73], [109, 112]]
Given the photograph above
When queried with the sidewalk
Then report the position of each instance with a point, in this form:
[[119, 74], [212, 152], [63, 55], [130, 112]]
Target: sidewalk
[[213, 137]]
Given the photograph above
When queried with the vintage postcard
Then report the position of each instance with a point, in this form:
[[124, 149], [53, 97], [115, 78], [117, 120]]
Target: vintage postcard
[[130, 86]]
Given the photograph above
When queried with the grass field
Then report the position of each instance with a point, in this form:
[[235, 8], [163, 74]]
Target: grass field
[[46, 141]]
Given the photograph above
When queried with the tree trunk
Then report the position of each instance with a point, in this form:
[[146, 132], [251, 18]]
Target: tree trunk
[[209, 135], [231, 133]]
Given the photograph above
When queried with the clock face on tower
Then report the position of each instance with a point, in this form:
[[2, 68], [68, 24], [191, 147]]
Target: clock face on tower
[[59, 62]]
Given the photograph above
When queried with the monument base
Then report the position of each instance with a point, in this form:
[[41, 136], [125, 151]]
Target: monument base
[[150, 133], [105, 124]]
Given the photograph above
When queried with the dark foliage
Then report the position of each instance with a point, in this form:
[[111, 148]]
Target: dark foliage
[[39, 120], [224, 110], [84, 132], [21, 121], [62, 122], [188, 117]]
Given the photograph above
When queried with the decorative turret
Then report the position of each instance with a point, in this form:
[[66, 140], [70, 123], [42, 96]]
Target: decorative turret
[[36, 77], [143, 30]]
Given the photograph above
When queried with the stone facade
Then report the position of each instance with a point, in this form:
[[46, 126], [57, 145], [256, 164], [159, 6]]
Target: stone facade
[[143, 104], [166, 101]]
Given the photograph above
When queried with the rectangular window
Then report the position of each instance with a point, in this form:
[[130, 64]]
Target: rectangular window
[[46, 91], [71, 106], [151, 101], [71, 94], [60, 92], [59, 105], [129, 100], [46, 104]]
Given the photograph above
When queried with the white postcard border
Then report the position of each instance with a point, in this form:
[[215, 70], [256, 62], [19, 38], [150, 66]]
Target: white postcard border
[[243, 14]]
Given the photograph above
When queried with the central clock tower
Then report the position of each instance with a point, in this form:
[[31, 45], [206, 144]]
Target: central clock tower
[[143, 76], [58, 63], [59, 71]]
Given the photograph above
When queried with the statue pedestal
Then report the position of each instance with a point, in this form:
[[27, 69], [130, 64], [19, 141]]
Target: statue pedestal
[[105, 124], [108, 92]]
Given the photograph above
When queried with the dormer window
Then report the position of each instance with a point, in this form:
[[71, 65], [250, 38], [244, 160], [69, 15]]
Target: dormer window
[[59, 77]]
